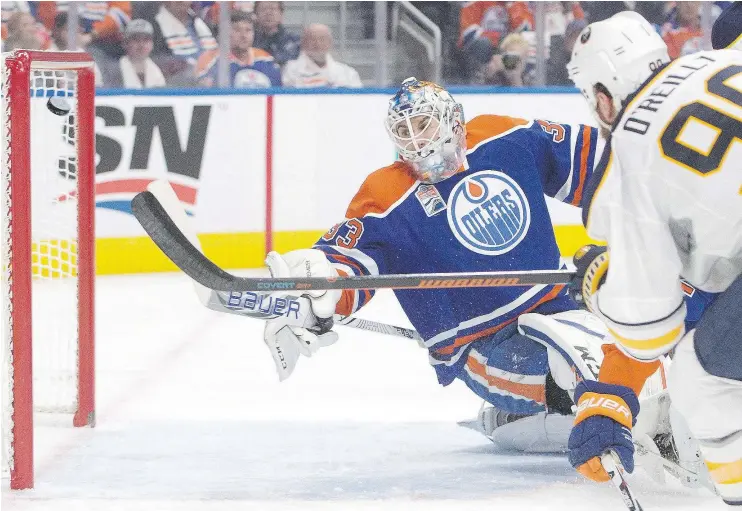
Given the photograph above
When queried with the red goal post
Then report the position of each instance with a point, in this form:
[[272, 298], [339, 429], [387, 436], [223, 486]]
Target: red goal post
[[48, 260]]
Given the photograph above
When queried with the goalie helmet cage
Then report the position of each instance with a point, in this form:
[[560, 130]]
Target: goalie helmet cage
[[48, 171]]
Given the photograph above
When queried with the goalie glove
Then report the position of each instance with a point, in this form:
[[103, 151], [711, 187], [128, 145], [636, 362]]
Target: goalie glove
[[289, 337], [591, 264]]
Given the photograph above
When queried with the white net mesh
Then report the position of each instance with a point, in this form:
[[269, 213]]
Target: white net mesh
[[6, 344], [54, 248]]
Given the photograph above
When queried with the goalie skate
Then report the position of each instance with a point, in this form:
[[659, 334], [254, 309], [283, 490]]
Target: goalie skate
[[543, 432]]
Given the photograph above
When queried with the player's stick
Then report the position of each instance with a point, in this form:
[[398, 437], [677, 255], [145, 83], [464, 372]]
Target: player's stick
[[382, 328], [686, 476], [615, 472], [171, 240]]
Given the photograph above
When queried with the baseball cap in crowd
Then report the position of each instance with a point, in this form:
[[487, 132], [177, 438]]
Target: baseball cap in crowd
[[139, 27]]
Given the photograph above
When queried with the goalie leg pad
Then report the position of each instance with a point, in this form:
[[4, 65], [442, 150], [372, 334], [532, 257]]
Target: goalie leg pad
[[718, 344], [572, 340], [540, 433]]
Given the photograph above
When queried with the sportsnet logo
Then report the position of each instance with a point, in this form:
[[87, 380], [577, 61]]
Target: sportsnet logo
[[127, 146], [489, 213], [117, 195]]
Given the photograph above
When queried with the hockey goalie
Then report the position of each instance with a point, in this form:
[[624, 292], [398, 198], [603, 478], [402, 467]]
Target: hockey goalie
[[463, 197]]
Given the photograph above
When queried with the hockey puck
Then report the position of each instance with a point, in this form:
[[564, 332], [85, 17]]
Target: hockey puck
[[58, 105]]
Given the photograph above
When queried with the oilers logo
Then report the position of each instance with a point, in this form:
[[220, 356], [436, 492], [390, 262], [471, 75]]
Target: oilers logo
[[251, 79], [489, 213]]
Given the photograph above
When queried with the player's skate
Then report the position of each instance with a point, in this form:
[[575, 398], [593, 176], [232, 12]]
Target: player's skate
[[664, 443]]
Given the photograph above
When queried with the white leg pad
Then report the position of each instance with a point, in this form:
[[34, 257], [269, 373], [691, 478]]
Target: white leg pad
[[540, 433], [572, 339]]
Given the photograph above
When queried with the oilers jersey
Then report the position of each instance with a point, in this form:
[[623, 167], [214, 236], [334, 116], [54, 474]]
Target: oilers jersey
[[258, 70], [490, 216]]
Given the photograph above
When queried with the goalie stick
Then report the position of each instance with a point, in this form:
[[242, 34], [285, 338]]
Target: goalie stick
[[177, 247], [218, 301]]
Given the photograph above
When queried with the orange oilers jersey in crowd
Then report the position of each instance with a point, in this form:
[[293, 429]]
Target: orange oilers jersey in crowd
[[106, 19], [491, 216], [682, 40], [494, 20]]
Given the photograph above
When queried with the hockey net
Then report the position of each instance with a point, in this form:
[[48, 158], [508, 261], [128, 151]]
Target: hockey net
[[47, 247]]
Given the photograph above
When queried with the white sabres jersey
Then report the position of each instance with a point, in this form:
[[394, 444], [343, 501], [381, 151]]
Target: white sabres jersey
[[667, 197]]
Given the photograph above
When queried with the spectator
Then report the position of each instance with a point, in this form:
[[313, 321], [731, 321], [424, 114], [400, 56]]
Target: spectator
[[653, 12], [22, 33], [315, 67], [180, 37], [209, 12], [103, 22], [493, 20], [484, 24], [270, 34], [558, 15], [511, 67], [561, 53], [136, 70], [248, 67], [60, 42], [7, 9], [682, 32], [59, 34], [600, 11]]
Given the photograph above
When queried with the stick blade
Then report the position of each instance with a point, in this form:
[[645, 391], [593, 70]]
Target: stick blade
[[160, 227]]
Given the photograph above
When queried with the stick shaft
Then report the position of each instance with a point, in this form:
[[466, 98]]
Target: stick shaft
[[382, 328], [615, 472], [171, 240]]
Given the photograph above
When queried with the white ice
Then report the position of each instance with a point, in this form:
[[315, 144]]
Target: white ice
[[190, 416]]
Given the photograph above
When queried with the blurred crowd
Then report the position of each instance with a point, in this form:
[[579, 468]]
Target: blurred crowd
[[176, 44]]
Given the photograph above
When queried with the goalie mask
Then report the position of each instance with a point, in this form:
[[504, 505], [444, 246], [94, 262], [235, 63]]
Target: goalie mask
[[427, 128]]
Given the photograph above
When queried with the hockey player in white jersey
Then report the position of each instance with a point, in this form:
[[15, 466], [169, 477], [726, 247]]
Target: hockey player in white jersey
[[667, 198]]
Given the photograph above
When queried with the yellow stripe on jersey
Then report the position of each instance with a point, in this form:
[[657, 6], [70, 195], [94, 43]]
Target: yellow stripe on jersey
[[649, 344], [734, 43], [597, 189], [725, 473]]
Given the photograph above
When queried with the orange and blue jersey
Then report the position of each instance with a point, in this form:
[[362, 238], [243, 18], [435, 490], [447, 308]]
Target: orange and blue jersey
[[257, 71], [493, 20], [490, 216], [106, 19]]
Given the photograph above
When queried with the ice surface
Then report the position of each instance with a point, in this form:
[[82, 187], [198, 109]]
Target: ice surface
[[191, 417]]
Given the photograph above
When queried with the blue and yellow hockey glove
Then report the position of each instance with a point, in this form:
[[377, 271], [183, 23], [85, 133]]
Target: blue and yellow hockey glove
[[591, 263], [605, 415]]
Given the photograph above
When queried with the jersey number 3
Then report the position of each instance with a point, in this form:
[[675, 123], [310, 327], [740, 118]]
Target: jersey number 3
[[724, 128], [353, 232]]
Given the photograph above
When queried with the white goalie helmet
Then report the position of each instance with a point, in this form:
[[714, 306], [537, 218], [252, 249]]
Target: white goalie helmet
[[619, 53], [427, 128]]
